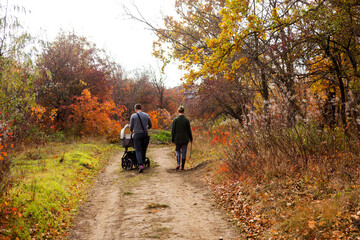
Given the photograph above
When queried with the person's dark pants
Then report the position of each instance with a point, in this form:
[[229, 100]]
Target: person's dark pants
[[140, 145], [181, 150]]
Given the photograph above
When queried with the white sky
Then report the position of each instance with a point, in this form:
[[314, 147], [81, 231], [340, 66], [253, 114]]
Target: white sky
[[104, 23]]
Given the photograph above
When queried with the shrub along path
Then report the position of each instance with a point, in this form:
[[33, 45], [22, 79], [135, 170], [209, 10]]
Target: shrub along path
[[159, 203]]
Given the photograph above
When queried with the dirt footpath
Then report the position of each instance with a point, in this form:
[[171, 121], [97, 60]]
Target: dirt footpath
[[160, 203]]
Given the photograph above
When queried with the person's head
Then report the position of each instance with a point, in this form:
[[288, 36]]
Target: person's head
[[181, 109], [137, 106]]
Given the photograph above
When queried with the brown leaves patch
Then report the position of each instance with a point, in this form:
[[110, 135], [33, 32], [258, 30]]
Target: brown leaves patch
[[290, 209]]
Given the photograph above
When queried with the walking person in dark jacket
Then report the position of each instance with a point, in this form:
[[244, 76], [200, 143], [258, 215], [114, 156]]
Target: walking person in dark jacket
[[140, 123], [181, 135]]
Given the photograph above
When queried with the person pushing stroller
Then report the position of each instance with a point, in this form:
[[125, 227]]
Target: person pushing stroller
[[140, 123], [181, 135]]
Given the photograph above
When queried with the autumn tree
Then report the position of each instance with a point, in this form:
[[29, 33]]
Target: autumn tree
[[158, 82], [332, 34], [255, 45], [117, 79], [90, 117], [137, 88], [174, 97], [256, 48], [199, 21], [67, 66], [218, 42]]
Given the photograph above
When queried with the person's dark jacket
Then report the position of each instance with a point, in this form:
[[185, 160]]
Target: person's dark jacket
[[181, 130]]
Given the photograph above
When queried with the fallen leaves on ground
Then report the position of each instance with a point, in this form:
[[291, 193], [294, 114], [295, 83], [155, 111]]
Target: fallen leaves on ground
[[290, 209]]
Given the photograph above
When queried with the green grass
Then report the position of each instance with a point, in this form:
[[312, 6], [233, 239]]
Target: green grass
[[160, 136], [47, 191]]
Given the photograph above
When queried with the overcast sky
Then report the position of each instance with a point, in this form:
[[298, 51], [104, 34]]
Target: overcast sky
[[105, 24]]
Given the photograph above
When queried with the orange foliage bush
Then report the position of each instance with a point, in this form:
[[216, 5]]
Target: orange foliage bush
[[160, 119], [42, 117], [90, 117]]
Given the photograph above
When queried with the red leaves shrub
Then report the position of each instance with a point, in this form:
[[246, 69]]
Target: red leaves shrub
[[92, 118]]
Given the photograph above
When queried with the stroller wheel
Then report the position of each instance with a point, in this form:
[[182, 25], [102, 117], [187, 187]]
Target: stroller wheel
[[147, 162], [124, 164], [129, 165]]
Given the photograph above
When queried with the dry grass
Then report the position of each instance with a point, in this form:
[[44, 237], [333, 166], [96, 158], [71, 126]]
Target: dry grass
[[156, 206], [299, 182]]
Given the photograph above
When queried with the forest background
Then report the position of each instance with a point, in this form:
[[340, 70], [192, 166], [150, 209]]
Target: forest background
[[272, 88]]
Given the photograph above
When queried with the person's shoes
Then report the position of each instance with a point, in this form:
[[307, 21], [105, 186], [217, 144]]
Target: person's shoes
[[141, 169], [182, 170], [177, 168]]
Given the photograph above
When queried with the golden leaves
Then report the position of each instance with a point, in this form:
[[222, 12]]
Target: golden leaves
[[312, 224]]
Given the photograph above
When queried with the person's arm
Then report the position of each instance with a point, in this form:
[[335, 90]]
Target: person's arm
[[189, 132], [149, 123], [173, 128], [131, 123]]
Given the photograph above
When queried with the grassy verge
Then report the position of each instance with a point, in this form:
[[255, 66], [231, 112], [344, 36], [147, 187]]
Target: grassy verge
[[49, 184]]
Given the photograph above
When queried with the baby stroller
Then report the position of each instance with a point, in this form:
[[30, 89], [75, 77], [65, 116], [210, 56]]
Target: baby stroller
[[128, 160]]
